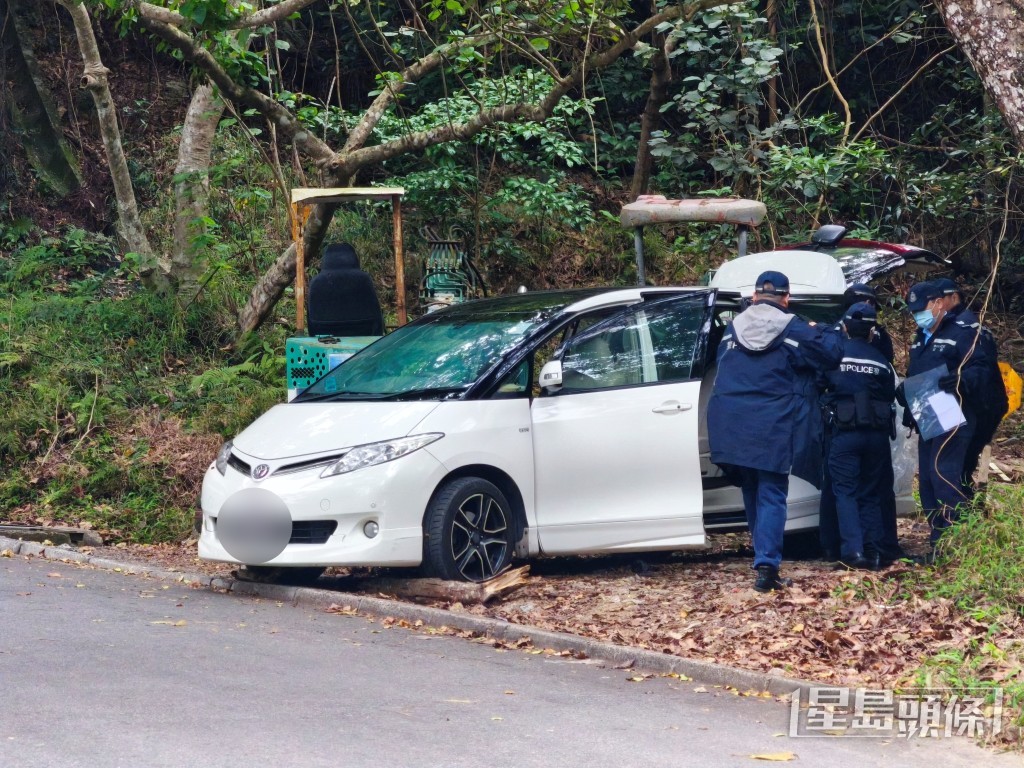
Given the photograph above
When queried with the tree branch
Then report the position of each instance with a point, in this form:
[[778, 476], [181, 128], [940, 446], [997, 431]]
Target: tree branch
[[828, 72], [288, 126], [902, 88], [94, 79], [149, 12], [350, 162], [411, 74]]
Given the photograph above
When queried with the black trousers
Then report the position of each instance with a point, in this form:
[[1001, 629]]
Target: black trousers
[[856, 462], [828, 518]]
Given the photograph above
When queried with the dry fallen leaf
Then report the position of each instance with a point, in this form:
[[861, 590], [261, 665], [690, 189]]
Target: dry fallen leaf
[[775, 757]]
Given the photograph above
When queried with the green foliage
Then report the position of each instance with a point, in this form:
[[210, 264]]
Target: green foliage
[[984, 555], [93, 374], [981, 569]]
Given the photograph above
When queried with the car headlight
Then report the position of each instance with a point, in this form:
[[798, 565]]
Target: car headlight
[[378, 453], [222, 457]]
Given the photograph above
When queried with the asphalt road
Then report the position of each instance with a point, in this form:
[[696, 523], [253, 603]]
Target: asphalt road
[[105, 669]]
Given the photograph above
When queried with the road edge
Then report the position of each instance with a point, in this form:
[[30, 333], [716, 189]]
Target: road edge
[[637, 659]]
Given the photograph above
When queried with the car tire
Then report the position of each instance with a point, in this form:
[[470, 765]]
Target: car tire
[[470, 531], [269, 574]]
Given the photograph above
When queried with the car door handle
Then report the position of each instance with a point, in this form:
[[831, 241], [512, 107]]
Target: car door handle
[[672, 407]]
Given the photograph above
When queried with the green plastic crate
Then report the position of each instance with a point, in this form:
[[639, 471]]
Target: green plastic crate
[[307, 358]]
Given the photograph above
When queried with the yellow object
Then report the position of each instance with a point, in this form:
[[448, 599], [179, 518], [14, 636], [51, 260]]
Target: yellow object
[[1013, 384]]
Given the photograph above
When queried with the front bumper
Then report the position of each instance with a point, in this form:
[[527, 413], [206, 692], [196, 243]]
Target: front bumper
[[394, 495]]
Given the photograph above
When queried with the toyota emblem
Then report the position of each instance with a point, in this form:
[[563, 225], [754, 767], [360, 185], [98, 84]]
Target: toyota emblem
[[260, 471]]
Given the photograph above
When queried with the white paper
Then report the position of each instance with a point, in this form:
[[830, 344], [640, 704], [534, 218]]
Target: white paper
[[947, 410]]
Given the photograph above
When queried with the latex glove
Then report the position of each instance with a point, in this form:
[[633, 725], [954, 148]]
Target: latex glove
[[908, 419], [901, 395], [949, 382]]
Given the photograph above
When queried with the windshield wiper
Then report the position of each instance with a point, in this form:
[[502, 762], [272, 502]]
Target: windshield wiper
[[427, 393], [327, 396]]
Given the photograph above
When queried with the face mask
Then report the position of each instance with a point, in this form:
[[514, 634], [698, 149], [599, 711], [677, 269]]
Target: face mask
[[924, 319]]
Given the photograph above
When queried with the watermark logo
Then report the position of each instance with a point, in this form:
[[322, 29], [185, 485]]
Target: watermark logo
[[884, 713]]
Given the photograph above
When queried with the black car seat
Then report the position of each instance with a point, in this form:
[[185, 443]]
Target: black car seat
[[342, 299]]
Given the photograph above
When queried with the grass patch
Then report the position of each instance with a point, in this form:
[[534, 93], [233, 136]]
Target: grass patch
[[981, 571]]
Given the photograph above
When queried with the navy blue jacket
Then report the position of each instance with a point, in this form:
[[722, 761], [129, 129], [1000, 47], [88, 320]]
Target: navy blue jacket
[[763, 412], [882, 341], [956, 341], [992, 402], [864, 368]]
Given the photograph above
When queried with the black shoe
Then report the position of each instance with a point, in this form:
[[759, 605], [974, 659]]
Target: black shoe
[[878, 561], [855, 562], [830, 556], [768, 579], [898, 554]]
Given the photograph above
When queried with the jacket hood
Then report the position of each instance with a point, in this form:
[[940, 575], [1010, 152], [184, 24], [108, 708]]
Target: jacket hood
[[760, 326]]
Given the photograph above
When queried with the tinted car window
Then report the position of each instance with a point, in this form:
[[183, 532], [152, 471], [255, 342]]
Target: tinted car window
[[650, 344]]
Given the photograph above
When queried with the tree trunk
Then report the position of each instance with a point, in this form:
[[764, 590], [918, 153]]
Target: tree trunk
[[94, 78], [271, 285], [31, 107], [661, 72], [189, 258], [991, 35]]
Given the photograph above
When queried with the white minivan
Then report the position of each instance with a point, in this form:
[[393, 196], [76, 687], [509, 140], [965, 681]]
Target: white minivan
[[542, 423]]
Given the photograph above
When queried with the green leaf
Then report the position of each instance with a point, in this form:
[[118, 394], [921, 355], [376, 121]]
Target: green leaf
[[539, 43]]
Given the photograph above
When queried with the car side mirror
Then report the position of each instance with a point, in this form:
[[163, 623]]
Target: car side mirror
[[551, 375]]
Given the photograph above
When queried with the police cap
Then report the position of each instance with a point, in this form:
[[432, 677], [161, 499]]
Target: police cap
[[859, 292], [772, 283], [947, 286], [861, 312], [859, 319], [921, 294]]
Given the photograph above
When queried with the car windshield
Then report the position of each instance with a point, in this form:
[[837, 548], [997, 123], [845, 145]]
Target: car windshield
[[437, 358]]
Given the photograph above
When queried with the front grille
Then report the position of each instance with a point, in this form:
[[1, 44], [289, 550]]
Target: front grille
[[312, 531], [238, 465]]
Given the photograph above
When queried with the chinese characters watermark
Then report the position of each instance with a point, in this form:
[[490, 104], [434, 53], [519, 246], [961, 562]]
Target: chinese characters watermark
[[884, 713]]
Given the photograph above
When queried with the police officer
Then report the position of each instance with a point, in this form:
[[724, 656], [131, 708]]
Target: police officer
[[942, 341], [992, 404], [859, 400], [858, 292], [763, 418], [828, 521]]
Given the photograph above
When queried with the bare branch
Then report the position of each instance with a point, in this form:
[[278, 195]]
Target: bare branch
[[828, 73], [272, 14], [149, 12], [901, 89]]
